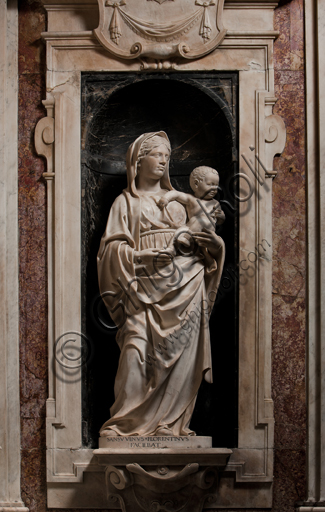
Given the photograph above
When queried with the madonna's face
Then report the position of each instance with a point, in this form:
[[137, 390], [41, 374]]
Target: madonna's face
[[153, 165]]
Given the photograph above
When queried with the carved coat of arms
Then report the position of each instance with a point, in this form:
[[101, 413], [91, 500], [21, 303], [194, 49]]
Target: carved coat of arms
[[160, 29]]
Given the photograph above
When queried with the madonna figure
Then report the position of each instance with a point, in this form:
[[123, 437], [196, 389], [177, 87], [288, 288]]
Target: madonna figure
[[160, 303]]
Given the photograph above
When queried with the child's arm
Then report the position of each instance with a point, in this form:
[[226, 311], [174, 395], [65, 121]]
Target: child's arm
[[175, 195], [220, 217], [218, 213]]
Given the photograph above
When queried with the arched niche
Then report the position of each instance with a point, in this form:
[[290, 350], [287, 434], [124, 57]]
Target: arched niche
[[199, 115]]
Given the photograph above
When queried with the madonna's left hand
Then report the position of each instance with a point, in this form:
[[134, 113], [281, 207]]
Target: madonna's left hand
[[210, 240]]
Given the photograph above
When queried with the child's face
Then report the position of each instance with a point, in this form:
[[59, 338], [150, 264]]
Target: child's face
[[208, 187]]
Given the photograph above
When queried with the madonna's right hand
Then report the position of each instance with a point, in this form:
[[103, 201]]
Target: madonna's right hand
[[147, 257]]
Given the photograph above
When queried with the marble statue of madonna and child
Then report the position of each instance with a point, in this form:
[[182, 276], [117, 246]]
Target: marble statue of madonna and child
[[159, 265]]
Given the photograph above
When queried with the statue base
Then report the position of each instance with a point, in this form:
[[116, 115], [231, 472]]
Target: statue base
[[164, 478], [118, 443]]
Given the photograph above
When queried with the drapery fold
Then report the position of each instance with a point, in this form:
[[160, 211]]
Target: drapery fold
[[160, 31], [163, 327]]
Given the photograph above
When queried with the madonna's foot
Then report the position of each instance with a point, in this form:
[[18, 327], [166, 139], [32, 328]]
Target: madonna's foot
[[109, 432], [163, 431]]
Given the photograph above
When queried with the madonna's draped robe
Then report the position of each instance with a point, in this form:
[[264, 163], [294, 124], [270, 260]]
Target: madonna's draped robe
[[162, 312], [163, 323]]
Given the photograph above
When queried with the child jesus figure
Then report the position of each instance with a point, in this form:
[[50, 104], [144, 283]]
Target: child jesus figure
[[203, 211]]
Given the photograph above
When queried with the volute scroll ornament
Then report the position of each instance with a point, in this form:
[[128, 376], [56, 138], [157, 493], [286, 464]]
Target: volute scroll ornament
[[160, 29], [275, 138], [139, 489], [44, 137]]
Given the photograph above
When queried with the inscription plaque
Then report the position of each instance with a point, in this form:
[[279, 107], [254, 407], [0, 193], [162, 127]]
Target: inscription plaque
[[119, 443]]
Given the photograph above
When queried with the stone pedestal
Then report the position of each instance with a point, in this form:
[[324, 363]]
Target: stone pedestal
[[161, 479]]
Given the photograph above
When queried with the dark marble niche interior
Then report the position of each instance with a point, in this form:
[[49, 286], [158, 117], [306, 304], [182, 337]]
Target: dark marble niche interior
[[199, 114]]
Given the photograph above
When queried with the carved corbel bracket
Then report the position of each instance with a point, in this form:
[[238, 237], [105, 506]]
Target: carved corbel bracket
[[161, 488], [165, 482], [274, 133], [44, 137], [275, 139]]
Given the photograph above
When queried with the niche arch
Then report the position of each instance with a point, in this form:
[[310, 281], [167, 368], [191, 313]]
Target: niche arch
[[200, 117]]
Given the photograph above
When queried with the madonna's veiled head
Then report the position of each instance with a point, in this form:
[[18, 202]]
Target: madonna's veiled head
[[138, 150]]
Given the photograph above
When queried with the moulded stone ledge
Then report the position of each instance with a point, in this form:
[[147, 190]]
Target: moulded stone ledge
[[313, 508], [216, 457], [14, 509]]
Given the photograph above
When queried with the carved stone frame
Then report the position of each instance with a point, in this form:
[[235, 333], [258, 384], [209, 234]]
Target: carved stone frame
[[75, 479]]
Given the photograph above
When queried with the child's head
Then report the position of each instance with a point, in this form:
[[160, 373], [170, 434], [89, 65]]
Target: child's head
[[204, 182]]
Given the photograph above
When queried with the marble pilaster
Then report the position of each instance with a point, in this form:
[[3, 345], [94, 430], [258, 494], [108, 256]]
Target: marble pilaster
[[315, 107], [10, 499]]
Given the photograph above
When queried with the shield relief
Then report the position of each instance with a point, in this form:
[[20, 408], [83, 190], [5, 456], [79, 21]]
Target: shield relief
[[160, 29]]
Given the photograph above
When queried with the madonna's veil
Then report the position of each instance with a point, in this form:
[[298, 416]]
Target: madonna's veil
[[131, 162]]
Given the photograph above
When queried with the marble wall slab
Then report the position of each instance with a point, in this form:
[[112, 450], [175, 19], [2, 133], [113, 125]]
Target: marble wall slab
[[32, 256], [289, 264]]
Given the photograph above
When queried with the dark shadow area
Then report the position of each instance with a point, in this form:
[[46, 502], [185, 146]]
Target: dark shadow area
[[199, 114]]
